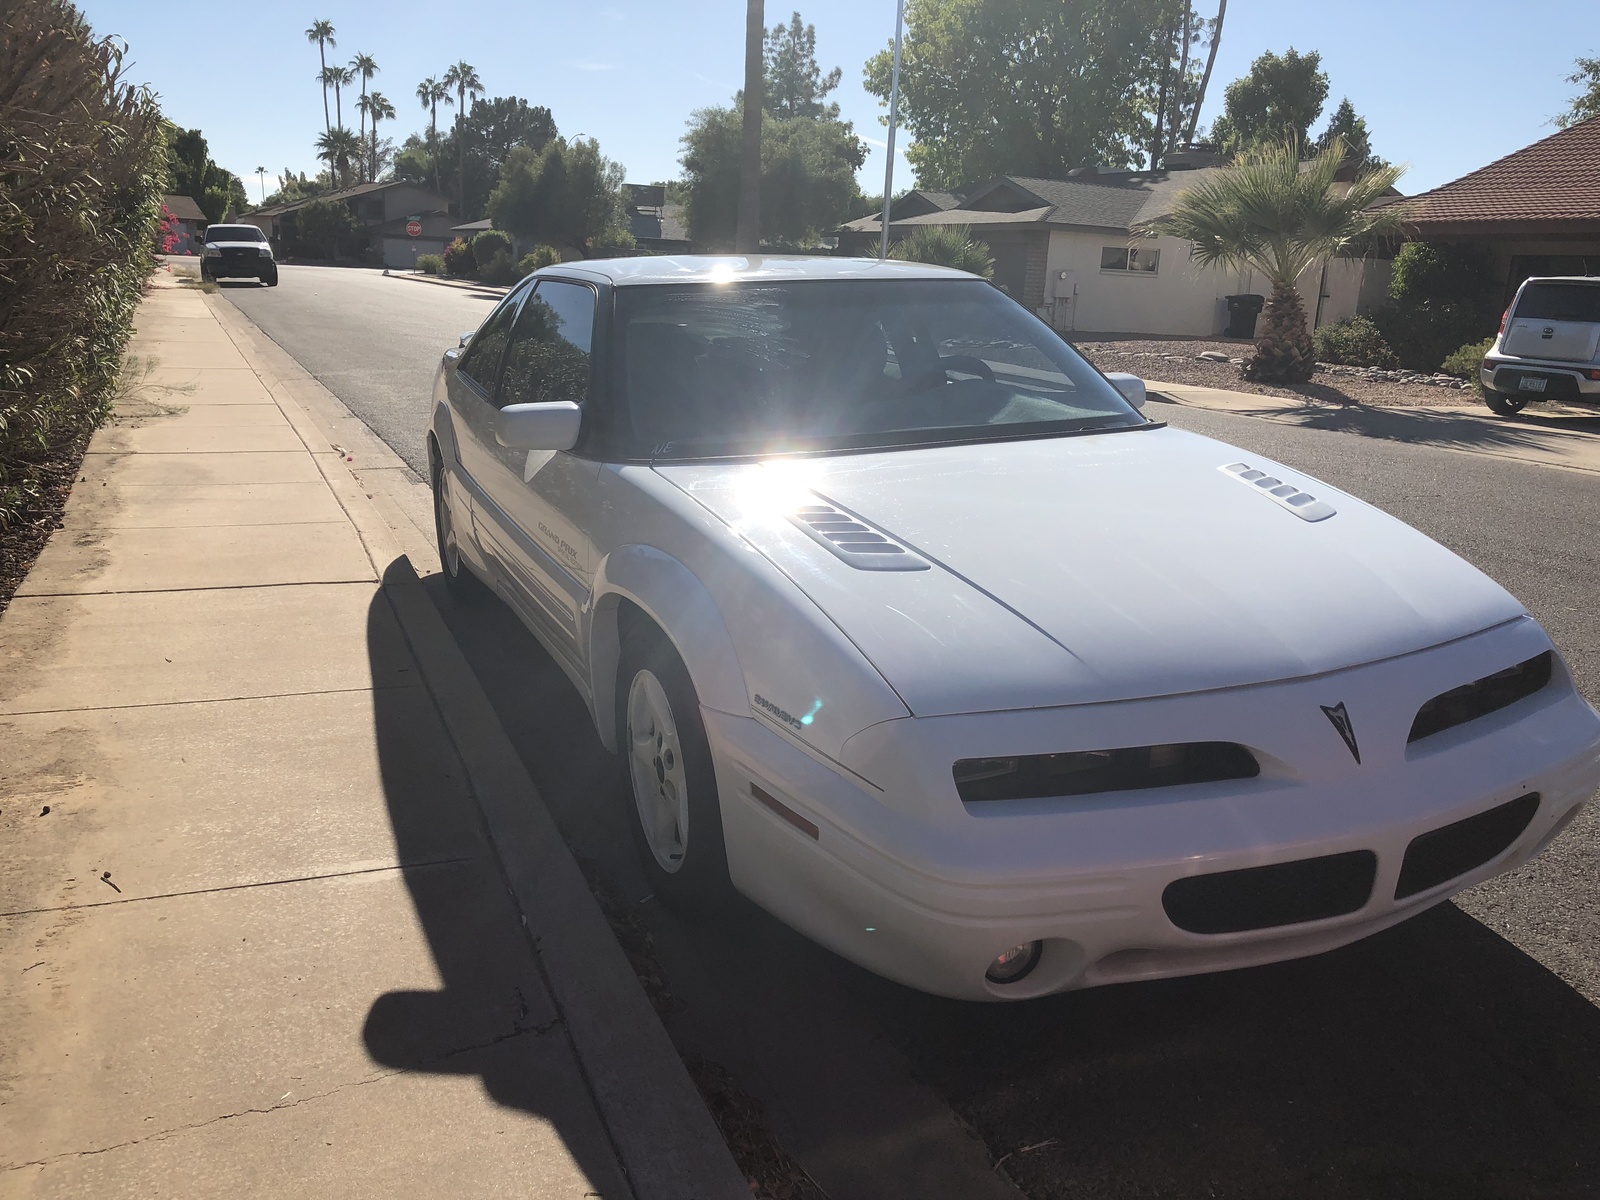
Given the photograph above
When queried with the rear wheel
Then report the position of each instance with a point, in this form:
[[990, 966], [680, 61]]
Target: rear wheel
[[464, 587], [1502, 404], [672, 787]]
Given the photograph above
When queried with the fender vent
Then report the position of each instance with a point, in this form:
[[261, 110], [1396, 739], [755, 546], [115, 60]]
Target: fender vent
[[853, 540], [1302, 504]]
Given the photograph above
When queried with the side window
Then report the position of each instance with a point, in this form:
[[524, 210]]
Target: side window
[[549, 356], [482, 357]]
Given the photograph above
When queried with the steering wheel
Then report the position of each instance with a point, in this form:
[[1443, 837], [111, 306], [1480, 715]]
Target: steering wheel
[[967, 364]]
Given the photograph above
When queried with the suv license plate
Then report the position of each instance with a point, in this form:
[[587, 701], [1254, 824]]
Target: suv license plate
[[1532, 383]]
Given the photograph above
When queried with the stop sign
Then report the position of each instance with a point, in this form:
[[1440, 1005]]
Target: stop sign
[[413, 228]]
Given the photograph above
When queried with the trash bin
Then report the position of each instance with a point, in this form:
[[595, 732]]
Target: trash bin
[[1242, 313]]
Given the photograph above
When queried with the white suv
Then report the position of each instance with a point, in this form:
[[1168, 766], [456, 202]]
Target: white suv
[[1548, 347]]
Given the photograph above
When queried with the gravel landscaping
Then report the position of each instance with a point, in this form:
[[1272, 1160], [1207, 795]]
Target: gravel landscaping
[[1174, 361]]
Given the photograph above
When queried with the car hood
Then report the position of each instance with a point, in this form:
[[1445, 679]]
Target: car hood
[[1091, 569]]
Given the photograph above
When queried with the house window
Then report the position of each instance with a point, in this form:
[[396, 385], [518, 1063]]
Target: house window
[[1141, 260]]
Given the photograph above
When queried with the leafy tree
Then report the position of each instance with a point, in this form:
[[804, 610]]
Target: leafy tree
[[413, 162], [1280, 98], [1346, 126], [1205, 78], [1586, 103], [795, 84], [325, 227], [492, 129], [808, 169], [1266, 213], [946, 246], [191, 172], [1027, 87], [566, 194]]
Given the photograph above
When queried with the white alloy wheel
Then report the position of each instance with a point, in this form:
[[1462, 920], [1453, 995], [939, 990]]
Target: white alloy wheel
[[655, 763]]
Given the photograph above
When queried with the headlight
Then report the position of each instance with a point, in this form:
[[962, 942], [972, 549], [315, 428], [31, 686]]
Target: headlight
[[212, 252], [266, 252]]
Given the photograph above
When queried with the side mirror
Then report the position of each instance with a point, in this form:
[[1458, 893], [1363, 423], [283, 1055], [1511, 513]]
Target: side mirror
[[1131, 387], [465, 338], [552, 426]]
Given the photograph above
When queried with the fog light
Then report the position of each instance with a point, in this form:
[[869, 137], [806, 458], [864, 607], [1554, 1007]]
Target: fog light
[[1014, 964]]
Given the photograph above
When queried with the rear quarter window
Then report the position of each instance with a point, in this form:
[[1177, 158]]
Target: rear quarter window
[[1560, 302]]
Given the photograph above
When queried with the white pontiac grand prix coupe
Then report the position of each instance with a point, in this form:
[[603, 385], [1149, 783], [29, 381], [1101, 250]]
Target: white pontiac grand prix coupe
[[913, 628]]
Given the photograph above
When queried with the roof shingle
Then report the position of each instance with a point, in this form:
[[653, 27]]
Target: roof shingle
[[1555, 180]]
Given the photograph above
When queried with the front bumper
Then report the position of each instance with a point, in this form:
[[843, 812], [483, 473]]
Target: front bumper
[[928, 893], [239, 268], [1562, 381]]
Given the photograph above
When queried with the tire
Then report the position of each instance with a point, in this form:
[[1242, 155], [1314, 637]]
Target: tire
[[1503, 405], [271, 278], [205, 273], [465, 588], [670, 784]]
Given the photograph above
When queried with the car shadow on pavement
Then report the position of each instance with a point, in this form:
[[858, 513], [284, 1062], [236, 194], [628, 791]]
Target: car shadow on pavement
[[1445, 430], [1435, 1060], [492, 1015]]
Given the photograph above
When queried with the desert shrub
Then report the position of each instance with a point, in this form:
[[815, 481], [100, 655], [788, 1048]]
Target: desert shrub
[[613, 243], [538, 258], [430, 264], [81, 179], [946, 246], [490, 242], [499, 271], [1444, 296], [1464, 363], [459, 260], [1355, 343]]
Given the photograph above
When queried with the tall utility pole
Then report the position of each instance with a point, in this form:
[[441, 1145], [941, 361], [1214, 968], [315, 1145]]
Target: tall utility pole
[[747, 234], [894, 117]]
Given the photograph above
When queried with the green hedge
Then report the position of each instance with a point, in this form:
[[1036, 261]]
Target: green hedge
[[81, 179]]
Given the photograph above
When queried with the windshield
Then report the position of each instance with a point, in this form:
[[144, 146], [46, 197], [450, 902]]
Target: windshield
[[1560, 302], [716, 370], [234, 233]]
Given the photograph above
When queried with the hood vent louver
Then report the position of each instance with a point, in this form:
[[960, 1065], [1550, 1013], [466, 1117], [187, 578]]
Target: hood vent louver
[[853, 540], [1302, 504]]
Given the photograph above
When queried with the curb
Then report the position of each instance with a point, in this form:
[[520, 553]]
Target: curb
[[664, 1137], [449, 283]]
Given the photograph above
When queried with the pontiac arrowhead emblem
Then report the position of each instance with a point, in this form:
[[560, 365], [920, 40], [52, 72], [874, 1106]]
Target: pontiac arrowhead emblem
[[1341, 722]]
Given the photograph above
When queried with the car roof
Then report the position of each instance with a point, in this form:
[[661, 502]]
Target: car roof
[[1592, 279], [738, 268]]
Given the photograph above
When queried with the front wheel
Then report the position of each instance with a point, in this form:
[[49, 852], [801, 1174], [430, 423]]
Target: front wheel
[[464, 587], [271, 278], [1502, 404], [672, 786]]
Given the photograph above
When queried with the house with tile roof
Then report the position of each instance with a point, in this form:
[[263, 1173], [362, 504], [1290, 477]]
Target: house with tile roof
[[1536, 211], [1065, 249]]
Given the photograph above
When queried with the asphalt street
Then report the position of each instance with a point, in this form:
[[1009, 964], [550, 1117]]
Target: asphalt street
[[1457, 1055]]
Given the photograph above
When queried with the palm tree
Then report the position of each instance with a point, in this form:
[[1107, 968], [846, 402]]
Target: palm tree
[[261, 174], [365, 67], [432, 93], [379, 109], [321, 32], [336, 148], [747, 232], [464, 78], [1205, 80], [339, 77], [1277, 215]]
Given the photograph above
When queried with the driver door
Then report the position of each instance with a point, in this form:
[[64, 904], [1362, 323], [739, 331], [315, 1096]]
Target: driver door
[[535, 514]]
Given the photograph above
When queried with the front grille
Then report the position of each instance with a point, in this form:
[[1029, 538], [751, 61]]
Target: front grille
[[1310, 889], [1085, 772], [1444, 854], [1483, 696]]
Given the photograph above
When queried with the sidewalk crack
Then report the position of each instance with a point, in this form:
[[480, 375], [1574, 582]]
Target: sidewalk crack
[[164, 1134]]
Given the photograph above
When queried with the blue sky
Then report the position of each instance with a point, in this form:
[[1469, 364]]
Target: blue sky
[[1445, 85]]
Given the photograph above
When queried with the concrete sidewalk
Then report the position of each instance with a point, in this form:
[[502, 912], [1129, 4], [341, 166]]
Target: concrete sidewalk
[[1548, 435], [260, 931]]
